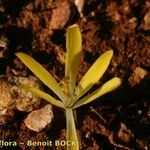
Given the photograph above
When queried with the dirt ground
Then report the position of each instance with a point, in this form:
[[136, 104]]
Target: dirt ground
[[116, 121]]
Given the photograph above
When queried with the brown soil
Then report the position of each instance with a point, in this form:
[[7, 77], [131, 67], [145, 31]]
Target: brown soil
[[119, 120]]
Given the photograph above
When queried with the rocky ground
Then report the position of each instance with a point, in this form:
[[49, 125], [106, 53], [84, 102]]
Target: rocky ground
[[119, 120]]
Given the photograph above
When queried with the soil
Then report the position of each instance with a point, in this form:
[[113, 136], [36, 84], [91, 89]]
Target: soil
[[119, 120]]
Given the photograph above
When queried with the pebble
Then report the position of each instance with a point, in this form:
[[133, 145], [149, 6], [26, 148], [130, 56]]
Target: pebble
[[124, 133], [147, 18], [63, 14], [80, 5], [37, 120], [137, 75], [3, 46]]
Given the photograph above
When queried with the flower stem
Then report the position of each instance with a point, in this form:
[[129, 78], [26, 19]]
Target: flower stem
[[71, 134]]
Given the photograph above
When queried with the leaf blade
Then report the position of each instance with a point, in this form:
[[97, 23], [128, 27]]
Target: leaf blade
[[43, 95], [71, 130], [94, 73], [73, 46], [42, 74], [106, 88]]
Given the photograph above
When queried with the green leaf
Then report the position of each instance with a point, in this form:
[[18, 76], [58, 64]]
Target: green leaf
[[73, 45], [94, 73], [42, 74], [71, 130], [43, 95], [106, 88]]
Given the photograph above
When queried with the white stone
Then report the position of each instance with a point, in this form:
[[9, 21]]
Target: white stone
[[39, 119]]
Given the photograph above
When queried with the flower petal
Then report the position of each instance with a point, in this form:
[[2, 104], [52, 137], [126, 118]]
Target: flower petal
[[95, 72], [44, 96], [106, 88], [42, 74], [73, 45]]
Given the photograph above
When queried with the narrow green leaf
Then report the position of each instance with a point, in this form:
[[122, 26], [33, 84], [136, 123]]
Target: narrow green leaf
[[71, 130], [43, 95], [94, 73], [106, 88], [73, 45], [42, 74]]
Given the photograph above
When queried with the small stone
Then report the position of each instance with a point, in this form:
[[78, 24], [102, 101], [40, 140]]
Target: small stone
[[80, 5], [122, 137], [3, 46], [6, 115], [133, 22], [6, 100], [147, 20], [137, 76], [141, 144], [124, 133], [86, 6], [1, 7], [139, 112], [145, 25], [39, 119], [63, 14]]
